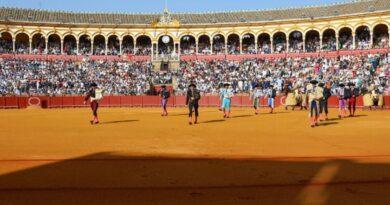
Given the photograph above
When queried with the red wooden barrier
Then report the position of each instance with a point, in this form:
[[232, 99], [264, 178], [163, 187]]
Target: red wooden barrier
[[78, 101], [67, 101], [236, 101], [126, 101], [115, 101], [245, 101], [45, 101], [22, 103], [2, 102], [333, 102], [359, 102], [180, 101], [214, 101], [55, 102], [11, 102], [105, 102], [144, 101], [386, 101], [204, 101], [150, 101], [137, 101], [171, 101]]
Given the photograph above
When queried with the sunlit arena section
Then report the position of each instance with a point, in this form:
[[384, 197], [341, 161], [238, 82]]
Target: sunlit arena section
[[274, 106]]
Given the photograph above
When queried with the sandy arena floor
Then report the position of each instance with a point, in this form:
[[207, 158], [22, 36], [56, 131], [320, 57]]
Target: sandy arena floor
[[135, 156]]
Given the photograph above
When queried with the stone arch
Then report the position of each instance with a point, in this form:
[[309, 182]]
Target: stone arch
[[362, 37], [113, 44], [345, 38], [218, 41], [165, 47], [381, 35], [127, 44], [312, 40], [187, 44], [279, 41], [22, 42], [295, 41], [70, 44], [329, 39], [6, 42], [38, 43], [233, 43], [54, 44], [85, 43], [264, 42], [99, 44], [248, 43], [204, 44], [143, 44]]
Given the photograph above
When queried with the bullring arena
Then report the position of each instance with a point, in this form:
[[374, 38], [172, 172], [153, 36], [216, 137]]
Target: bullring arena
[[51, 154]]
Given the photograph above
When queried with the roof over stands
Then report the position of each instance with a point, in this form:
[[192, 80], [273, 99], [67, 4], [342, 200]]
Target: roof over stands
[[55, 17]]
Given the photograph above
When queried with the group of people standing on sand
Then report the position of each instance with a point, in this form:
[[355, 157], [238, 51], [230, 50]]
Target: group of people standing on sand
[[315, 95], [312, 96], [192, 101], [269, 94]]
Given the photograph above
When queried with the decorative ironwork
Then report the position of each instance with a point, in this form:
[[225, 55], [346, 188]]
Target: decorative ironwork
[[166, 20]]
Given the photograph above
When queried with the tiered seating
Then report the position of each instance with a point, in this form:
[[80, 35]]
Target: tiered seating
[[30, 15]]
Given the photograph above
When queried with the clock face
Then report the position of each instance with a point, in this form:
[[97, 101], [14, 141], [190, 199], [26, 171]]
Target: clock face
[[166, 39]]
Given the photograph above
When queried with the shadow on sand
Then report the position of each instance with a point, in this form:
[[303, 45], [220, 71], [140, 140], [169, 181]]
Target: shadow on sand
[[118, 121], [324, 123], [212, 121], [108, 178], [241, 116]]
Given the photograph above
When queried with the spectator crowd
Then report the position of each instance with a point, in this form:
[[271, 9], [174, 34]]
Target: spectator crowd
[[30, 77]]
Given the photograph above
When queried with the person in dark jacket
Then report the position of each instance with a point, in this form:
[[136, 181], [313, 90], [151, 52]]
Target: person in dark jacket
[[324, 101], [164, 94], [192, 101], [354, 93]]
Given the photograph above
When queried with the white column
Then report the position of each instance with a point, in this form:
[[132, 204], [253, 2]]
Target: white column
[[226, 47], [179, 49], [320, 44], [287, 45], [256, 45], [211, 46], [354, 40], [272, 45], [120, 46], [62, 46], [240, 39], [304, 44], [152, 51], [371, 39], [13, 45], [196, 46], [337, 42], [92, 47], [30, 45], [77, 47], [46, 45]]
